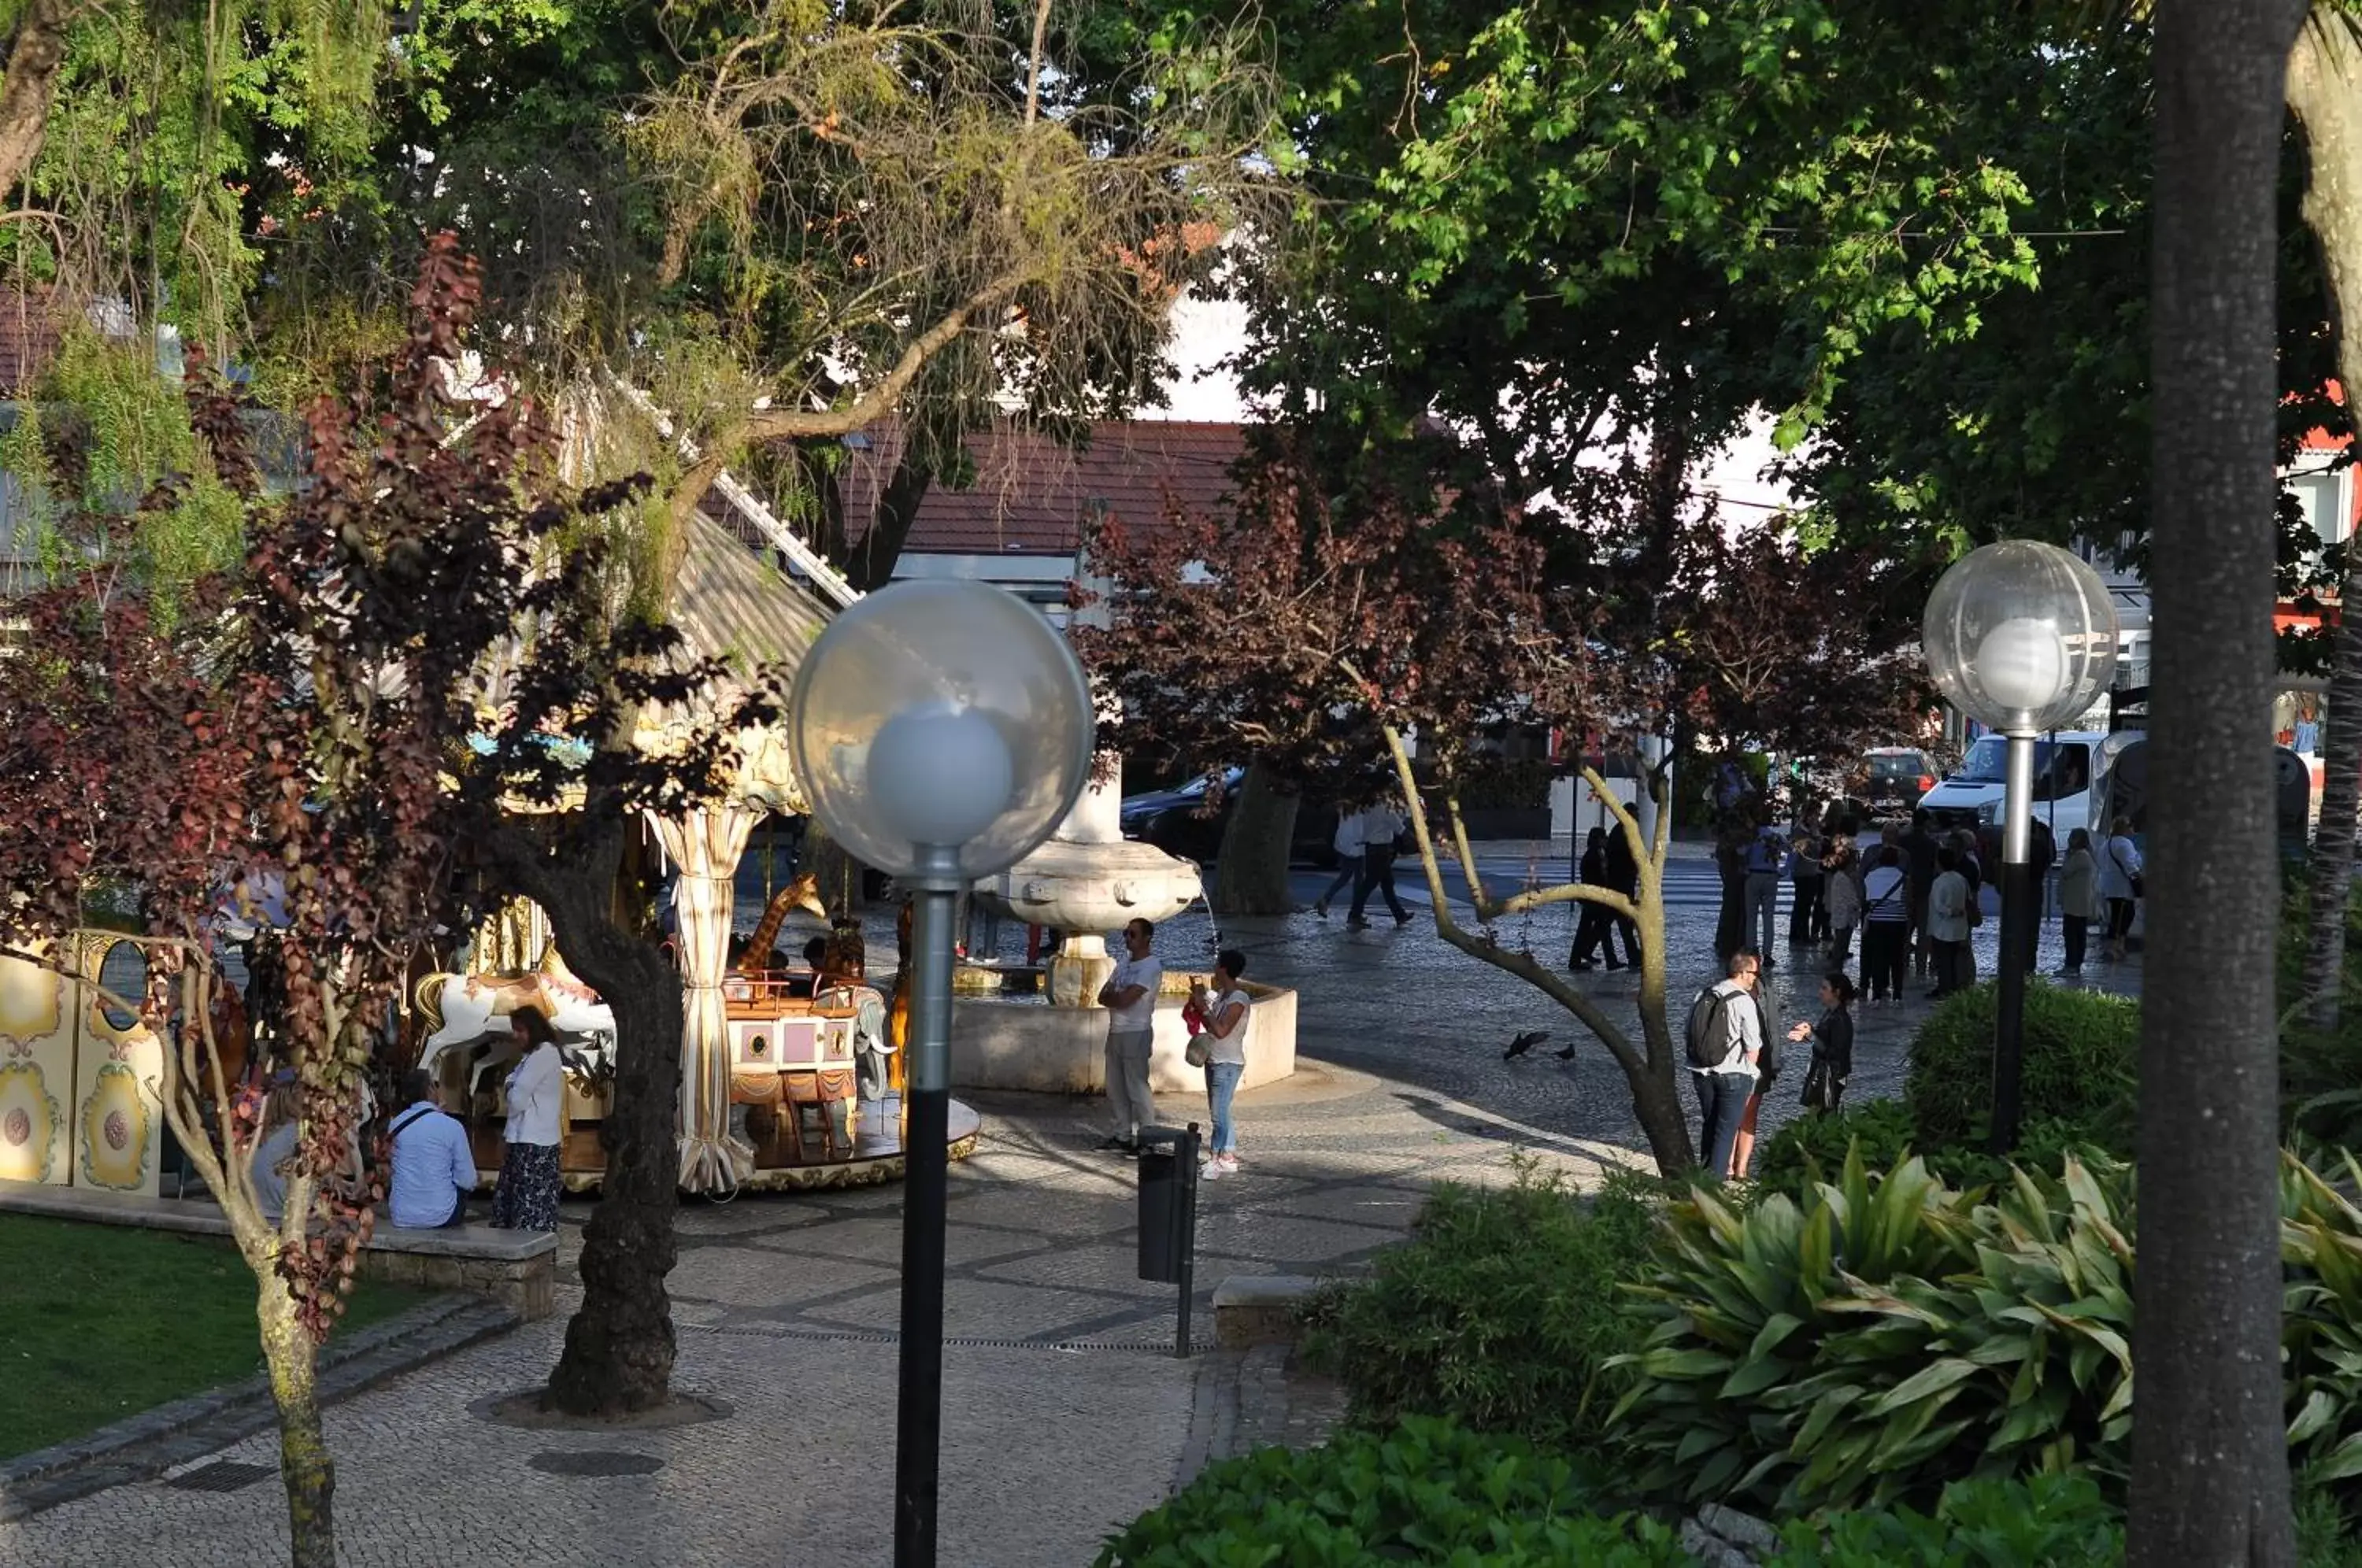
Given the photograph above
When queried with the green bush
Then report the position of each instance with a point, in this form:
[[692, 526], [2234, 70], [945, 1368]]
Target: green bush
[[2058, 1521], [2081, 1048], [1883, 1339], [1428, 1492], [1500, 1311], [1810, 1149]]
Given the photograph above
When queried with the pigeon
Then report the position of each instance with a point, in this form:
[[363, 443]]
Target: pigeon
[[1567, 1055], [1523, 1043]]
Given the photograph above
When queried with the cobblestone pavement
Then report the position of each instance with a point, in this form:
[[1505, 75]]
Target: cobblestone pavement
[[1065, 1411]]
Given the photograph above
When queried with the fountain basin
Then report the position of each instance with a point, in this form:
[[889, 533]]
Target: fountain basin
[[1018, 1043]]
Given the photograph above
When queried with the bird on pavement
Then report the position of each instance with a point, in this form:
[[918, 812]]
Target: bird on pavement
[[1567, 1055], [1523, 1043]]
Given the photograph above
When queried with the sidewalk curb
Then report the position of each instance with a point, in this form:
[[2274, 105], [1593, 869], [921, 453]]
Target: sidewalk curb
[[141, 1447]]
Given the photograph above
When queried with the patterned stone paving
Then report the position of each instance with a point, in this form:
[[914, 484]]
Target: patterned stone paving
[[1065, 1409]]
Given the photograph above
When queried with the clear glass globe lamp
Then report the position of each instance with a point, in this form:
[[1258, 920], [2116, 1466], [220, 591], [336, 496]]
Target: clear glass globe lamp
[[941, 728], [2021, 635]]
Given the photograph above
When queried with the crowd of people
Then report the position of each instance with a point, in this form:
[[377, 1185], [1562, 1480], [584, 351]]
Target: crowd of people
[[1914, 897]]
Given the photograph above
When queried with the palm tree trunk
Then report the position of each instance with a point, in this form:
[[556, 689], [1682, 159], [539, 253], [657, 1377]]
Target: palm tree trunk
[[2210, 1476]]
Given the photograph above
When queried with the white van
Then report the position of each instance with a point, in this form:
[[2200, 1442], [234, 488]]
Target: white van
[[2070, 782]]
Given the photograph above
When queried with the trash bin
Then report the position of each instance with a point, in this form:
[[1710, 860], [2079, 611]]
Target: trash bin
[[1163, 1215]]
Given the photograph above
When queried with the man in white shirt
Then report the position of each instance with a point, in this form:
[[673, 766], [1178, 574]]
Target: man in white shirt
[[434, 1169], [1381, 825], [1130, 997], [1724, 1088]]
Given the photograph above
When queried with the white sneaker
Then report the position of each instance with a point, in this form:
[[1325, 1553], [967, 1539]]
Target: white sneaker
[[1210, 1171], [1230, 1164]]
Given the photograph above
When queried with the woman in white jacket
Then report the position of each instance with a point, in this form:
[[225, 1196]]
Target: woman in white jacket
[[2120, 884]]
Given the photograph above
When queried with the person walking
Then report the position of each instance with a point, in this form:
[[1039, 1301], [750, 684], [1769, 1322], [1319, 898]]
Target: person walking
[[1806, 878], [1725, 1030], [1832, 1040], [2078, 899], [1730, 864], [1592, 921], [1948, 923], [1919, 846], [1623, 877], [1130, 997], [1767, 855], [1381, 826], [1885, 926], [2121, 885], [1347, 843], [1841, 897], [525, 1197], [1225, 1009]]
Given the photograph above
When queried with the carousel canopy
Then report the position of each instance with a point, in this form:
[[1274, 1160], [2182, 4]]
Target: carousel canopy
[[732, 603]]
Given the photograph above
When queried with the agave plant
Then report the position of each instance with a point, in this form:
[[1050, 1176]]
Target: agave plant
[[1885, 1338]]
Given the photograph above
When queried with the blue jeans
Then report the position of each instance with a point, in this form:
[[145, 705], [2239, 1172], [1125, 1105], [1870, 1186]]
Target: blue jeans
[[1722, 1105], [1222, 1082]]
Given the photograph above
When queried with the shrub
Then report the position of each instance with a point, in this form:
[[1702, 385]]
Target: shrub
[[2058, 1521], [1429, 1491], [1500, 1311], [1883, 1339], [2081, 1052], [1811, 1149]]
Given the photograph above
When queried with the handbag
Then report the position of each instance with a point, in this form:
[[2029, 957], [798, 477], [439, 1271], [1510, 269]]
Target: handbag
[[1198, 1052], [1820, 1091]]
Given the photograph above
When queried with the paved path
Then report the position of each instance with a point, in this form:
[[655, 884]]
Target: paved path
[[1065, 1412]]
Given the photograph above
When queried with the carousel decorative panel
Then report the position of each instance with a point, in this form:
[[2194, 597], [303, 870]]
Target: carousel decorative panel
[[37, 1060], [119, 1065]]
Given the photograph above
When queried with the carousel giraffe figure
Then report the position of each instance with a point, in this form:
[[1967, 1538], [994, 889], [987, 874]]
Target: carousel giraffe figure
[[804, 893]]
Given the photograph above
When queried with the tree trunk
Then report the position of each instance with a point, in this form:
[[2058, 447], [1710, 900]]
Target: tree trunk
[[35, 55], [304, 1465], [1657, 1094], [2210, 1476], [619, 1344], [1252, 878], [838, 872], [2324, 88]]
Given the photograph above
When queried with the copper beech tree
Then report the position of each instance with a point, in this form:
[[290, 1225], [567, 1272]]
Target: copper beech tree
[[1407, 608], [282, 745]]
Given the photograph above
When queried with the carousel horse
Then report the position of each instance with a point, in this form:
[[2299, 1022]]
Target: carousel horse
[[461, 1009]]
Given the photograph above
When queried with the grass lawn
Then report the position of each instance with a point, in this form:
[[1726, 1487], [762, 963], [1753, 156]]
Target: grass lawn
[[105, 1321]]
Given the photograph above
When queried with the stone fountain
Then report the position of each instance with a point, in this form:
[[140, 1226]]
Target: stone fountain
[[1087, 883]]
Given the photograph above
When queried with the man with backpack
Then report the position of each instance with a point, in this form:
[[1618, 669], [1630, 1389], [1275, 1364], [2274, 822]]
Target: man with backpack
[[1726, 1045]]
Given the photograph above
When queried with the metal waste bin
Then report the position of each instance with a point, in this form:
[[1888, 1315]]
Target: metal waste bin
[[1168, 1213]]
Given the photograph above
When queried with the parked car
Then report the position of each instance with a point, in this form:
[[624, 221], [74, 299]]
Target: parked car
[[1895, 777], [1178, 822]]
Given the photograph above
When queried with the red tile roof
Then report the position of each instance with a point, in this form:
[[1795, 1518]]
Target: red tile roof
[[1034, 496]]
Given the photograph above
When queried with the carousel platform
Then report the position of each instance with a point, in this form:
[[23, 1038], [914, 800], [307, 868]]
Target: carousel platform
[[786, 1158]]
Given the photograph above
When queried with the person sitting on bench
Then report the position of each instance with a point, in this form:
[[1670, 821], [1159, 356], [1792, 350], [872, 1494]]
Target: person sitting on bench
[[434, 1169]]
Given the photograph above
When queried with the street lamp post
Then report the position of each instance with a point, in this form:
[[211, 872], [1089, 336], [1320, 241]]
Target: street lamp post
[[2021, 636], [941, 731]]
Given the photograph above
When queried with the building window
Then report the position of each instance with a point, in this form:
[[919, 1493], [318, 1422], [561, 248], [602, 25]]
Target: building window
[[2321, 494]]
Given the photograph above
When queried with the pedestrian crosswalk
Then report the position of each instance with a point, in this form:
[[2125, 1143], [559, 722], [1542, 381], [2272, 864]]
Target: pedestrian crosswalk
[[1690, 884]]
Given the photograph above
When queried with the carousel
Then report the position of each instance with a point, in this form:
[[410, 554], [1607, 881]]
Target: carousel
[[790, 1071]]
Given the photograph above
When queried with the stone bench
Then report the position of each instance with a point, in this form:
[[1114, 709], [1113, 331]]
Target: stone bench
[[1259, 1310], [516, 1268]]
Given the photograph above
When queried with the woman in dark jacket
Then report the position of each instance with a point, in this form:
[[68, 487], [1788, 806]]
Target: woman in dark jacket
[[1832, 1040]]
